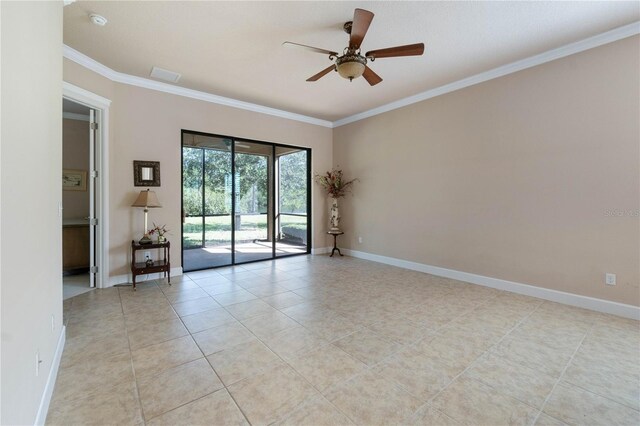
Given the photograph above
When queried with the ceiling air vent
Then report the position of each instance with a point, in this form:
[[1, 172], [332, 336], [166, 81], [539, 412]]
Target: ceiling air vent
[[165, 75]]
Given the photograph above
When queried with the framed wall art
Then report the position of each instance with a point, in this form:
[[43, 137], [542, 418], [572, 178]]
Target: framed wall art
[[146, 173], [74, 180]]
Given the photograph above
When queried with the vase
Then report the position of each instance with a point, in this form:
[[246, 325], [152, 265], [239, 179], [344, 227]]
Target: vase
[[334, 215], [161, 239]]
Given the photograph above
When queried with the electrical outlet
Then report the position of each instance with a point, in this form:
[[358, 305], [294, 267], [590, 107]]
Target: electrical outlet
[[53, 323], [610, 279], [360, 240], [147, 255]]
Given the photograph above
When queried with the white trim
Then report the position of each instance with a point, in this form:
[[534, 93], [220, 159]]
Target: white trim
[[93, 65], [321, 250], [84, 96], [43, 409], [600, 305], [74, 116], [126, 278], [103, 198], [101, 105], [550, 55]]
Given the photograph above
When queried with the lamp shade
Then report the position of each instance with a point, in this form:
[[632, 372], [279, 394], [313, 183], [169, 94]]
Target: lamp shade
[[147, 199]]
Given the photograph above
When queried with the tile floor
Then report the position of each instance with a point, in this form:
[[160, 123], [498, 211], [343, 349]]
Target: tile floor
[[74, 285], [314, 340]]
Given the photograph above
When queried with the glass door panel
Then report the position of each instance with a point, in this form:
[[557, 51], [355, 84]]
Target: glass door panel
[[292, 221], [206, 202], [192, 225], [253, 202], [217, 196]]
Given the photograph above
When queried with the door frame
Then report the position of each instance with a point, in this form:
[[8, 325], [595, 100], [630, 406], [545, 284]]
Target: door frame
[[101, 106], [272, 188]]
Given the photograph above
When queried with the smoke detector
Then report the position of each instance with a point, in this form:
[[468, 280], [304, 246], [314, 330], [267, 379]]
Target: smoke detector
[[98, 19]]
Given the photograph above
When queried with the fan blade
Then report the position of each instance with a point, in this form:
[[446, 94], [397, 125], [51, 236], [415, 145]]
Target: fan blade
[[311, 48], [361, 21], [371, 77], [322, 73], [390, 52]]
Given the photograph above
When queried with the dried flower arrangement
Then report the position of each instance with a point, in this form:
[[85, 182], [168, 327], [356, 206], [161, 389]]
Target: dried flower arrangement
[[334, 183]]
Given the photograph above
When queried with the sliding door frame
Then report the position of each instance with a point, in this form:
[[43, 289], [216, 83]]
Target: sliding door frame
[[272, 188]]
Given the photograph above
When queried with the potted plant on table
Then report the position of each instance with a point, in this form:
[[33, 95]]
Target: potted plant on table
[[336, 187], [160, 231]]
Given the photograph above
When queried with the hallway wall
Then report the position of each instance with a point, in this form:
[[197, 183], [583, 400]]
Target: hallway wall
[[31, 193]]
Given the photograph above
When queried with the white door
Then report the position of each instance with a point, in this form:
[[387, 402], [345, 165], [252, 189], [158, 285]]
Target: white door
[[93, 220]]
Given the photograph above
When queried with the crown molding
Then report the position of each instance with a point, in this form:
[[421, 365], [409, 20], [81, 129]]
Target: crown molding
[[95, 66], [548, 56]]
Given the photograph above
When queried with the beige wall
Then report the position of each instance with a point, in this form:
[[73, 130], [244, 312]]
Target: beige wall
[[511, 179], [30, 225], [75, 155], [145, 125]]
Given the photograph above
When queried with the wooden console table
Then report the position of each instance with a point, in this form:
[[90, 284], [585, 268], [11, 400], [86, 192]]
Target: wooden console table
[[161, 265]]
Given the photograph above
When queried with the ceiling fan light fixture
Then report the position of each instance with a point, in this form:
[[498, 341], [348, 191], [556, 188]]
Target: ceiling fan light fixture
[[351, 66]]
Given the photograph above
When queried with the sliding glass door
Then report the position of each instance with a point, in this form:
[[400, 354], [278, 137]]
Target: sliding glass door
[[253, 211], [206, 201], [292, 224], [242, 201]]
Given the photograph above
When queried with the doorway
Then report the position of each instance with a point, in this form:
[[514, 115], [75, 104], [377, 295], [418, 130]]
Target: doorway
[[79, 221], [242, 201]]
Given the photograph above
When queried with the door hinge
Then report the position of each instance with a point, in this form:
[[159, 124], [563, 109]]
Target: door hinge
[[93, 221], [94, 173], [93, 269], [94, 126]]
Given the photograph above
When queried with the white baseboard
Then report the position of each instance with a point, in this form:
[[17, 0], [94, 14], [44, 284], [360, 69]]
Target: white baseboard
[[321, 250], [600, 305], [41, 417], [127, 278]]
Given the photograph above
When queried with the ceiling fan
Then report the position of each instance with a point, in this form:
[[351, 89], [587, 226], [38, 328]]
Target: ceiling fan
[[352, 64]]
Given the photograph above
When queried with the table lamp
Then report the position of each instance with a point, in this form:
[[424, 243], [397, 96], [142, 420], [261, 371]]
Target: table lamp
[[147, 199]]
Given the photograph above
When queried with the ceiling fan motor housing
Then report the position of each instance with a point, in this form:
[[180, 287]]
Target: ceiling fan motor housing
[[351, 65]]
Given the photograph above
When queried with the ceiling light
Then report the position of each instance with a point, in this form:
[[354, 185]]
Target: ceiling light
[[351, 65], [98, 19], [166, 75]]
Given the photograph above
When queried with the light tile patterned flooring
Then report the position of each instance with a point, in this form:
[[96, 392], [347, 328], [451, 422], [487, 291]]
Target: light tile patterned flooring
[[314, 340]]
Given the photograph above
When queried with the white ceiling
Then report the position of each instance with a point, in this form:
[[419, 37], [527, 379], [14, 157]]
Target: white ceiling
[[234, 49]]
